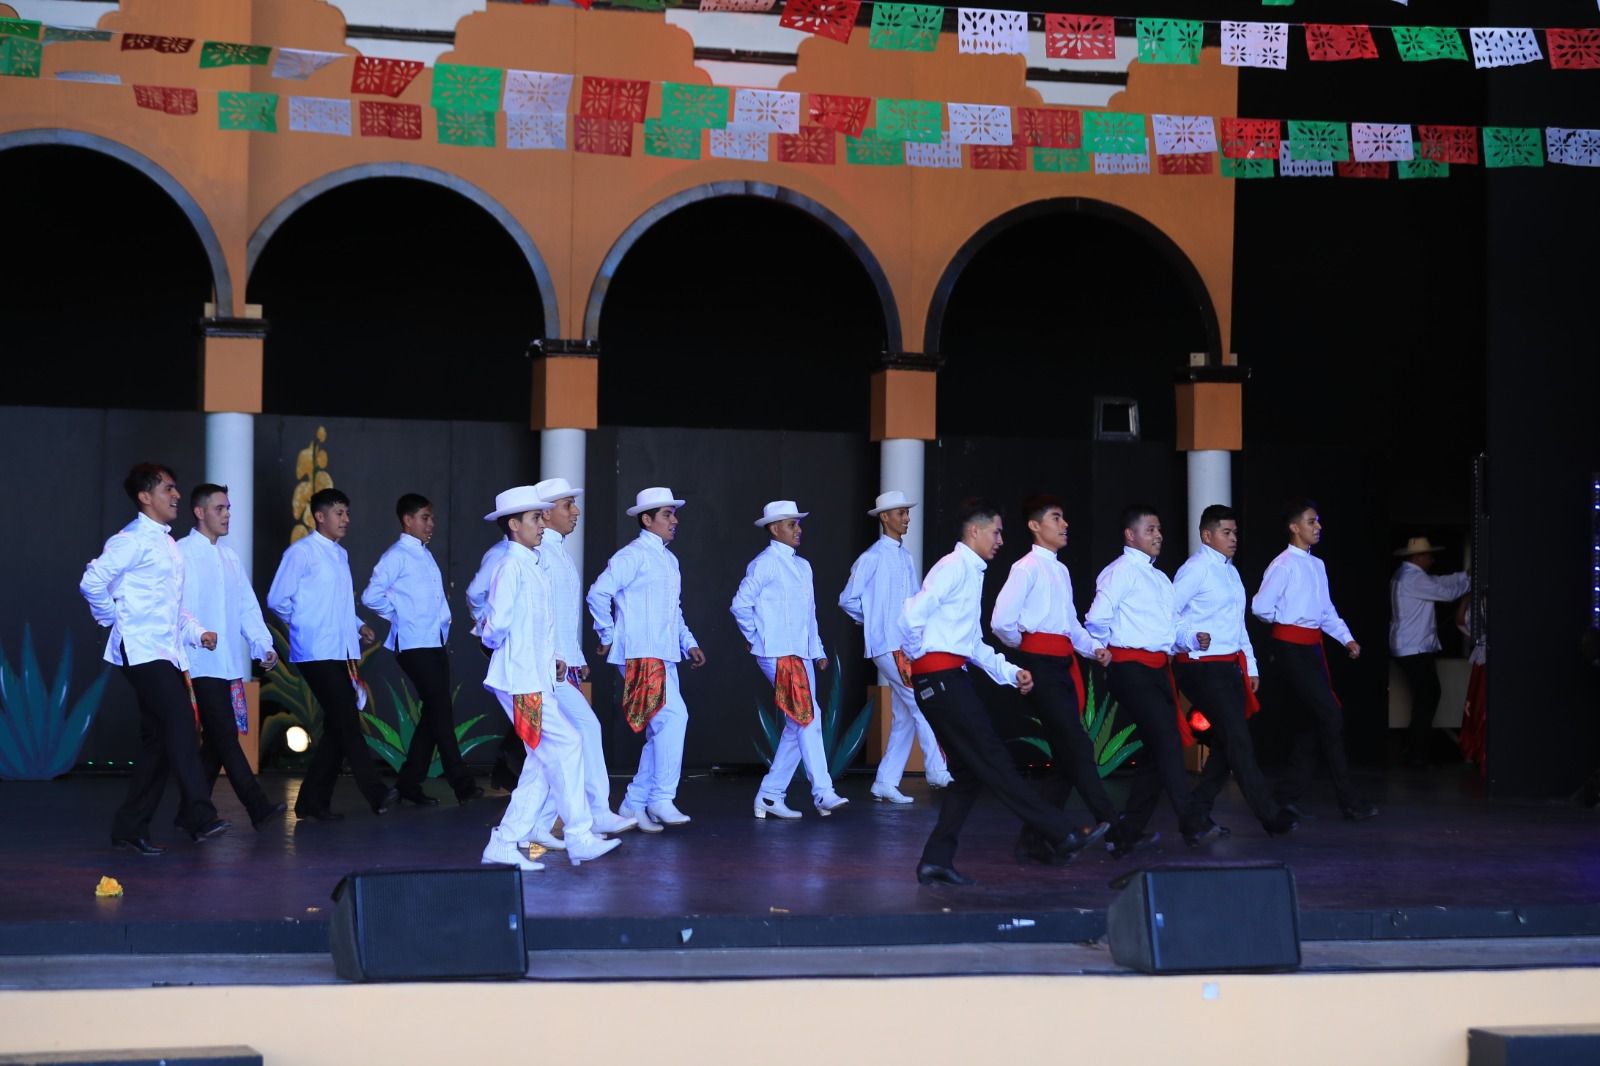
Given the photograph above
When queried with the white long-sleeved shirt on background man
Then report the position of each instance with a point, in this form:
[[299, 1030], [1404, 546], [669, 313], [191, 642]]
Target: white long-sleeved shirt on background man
[[135, 586], [1133, 605], [1294, 592], [217, 592], [313, 593], [881, 580], [1211, 599], [1037, 598], [478, 587], [636, 604], [518, 626], [566, 596], [775, 605], [944, 615], [407, 591], [1413, 622]]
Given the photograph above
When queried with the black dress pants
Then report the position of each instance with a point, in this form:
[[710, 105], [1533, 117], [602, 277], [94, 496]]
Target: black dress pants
[[1218, 690], [977, 757], [1145, 692], [219, 746], [1319, 724], [1055, 699], [167, 745], [1422, 676], [329, 681], [429, 671]]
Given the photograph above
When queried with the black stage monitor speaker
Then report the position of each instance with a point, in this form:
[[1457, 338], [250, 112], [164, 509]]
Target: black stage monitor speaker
[[1206, 919], [428, 925]]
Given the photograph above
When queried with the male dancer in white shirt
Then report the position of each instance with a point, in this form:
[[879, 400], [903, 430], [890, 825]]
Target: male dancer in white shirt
[[407, 591], [566, 602], [1414, 634], [216, 589], [775, 608], [637, 608], [881, 580], [524, 667], [1216, 668], [941, 635], [1034, 614], [313, 593], [1294, 600], [1134, 615], [135, 588]]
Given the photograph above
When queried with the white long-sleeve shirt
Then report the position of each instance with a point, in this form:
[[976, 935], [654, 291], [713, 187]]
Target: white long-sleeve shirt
[[1413, 626], [944, 615], [1211, 599], [218, 594], [775, 605], [1037, 598], [881, 580], [407, 591], [566, 596], [519, 627], [478, 588], [1133, 605], [135, 586], [636, 604], [313, 593], [1294, 592]]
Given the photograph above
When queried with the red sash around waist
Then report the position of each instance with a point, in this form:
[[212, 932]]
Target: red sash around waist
[[1296, 634], [1058, 646], [1158, 660], [1251, 704], [935, 661]]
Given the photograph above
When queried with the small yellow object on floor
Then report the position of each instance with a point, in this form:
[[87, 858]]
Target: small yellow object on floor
[[536, 850], [108, 888]]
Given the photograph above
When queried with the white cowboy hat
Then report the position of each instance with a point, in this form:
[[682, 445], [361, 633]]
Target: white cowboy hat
[[516, 501], [1418, 546], [778, 510], [888, 501], [651, 498], [556, 488]]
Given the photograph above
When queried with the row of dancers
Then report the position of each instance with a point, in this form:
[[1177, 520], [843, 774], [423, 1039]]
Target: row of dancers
[[185, 624]]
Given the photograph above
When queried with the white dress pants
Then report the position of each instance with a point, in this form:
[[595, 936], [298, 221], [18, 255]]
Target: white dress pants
[[906, 721], [556, 762], [797, 745], [661, 762], [592, 759]]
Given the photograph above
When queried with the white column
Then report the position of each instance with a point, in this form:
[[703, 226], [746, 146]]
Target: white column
[[900, 467], [231, 461], [563, 453], [1210, 481]]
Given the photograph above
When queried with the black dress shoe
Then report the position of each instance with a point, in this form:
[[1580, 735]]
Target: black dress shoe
[[214, 828], [260, 819], [390, 798], [928, 873], [417, 798], [1359, 811], [1281, 823], [324, 815], [142, 845], [1121, 847], [1208, 832], [475, 792]]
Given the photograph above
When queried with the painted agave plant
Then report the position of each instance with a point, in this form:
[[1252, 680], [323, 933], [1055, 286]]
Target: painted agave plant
[[841, 740], [390, 741], [40, 735], [1112, 746]]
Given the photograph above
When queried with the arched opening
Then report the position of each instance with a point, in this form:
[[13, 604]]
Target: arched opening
[[1056, 303], [750, 307], [109, 276], [396, 296]]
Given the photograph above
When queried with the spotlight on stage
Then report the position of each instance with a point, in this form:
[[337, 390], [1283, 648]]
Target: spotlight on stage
[[297, 739]]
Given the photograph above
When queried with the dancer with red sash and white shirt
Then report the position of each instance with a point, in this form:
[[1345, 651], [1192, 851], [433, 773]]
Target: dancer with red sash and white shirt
[[637, 608], [1294, 600], [1216, 669], [1135, 616], [1035, 614], [941, 635], [776, 611]]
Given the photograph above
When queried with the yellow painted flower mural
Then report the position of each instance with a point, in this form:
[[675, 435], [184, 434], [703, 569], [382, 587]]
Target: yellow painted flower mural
[[311, 467]]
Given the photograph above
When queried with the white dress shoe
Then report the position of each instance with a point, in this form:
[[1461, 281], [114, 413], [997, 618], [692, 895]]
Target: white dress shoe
[[775, 807], [829, 802], [889, 794], [611, 824], [503, 852], [546, 840], [939, 780], [640, 818], [667, 814], [581, 851]]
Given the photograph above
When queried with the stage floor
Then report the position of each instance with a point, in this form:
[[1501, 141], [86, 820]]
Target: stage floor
[[1438, 862]]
